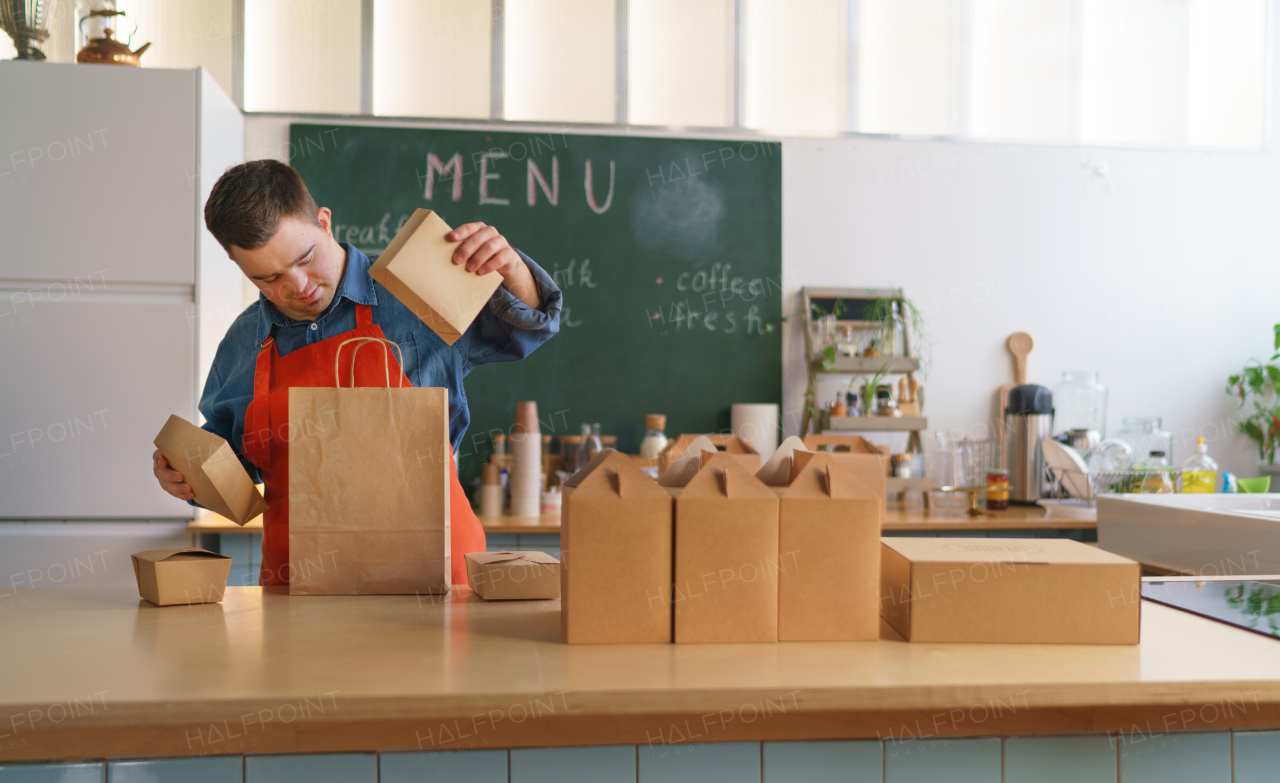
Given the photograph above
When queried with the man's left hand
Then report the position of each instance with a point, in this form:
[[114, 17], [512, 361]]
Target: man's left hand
[[484, 250]]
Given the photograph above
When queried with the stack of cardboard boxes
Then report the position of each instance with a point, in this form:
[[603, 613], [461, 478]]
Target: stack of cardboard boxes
[[794, 553]]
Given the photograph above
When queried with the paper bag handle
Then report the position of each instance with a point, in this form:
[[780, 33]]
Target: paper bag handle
[[386, 365]]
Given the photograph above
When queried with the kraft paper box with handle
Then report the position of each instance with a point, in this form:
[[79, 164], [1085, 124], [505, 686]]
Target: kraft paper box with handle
[[852, 448], [1036, 591], [368, 486], [740, 449], [615, 555], [726, 555], [417, 268], [212, 469], [866, 469], [181, 576], [828, 554], [509, 576]]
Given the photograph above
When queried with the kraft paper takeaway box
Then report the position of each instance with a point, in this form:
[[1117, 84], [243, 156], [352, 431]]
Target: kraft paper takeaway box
[[866, 469], [741, 450], [828, 554], [181, 576], [212, 469], [852, 450], [418, 269], [615, 554], [726, 553], [512, 576], [1036, 591]]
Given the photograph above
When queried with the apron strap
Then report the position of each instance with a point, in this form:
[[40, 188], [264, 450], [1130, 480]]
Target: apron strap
[[256, 441], [364, 315]]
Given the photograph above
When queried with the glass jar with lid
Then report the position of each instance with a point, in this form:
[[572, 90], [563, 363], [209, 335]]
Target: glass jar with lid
[[1081, 403], [1145, 436]]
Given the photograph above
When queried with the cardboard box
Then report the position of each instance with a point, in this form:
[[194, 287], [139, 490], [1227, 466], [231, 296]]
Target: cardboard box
[[615, 551], [418, 269], [846, 445], [726, 556], [513, 576], [212, 469], [1035, 591], [181, 576], [741, 450], [828, 554]]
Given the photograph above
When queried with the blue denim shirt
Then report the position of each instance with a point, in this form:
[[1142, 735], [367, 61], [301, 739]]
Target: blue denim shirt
[[505, 331]]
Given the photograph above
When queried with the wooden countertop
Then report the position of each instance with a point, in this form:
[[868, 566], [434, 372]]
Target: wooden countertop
[[93, 673], [899, 516]]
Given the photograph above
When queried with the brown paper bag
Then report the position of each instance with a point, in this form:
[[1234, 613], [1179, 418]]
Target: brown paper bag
[[368, 489], [212, 469]]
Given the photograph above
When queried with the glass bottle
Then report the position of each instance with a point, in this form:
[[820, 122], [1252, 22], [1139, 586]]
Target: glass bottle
[[1156, 480], [655, 440], [1200, 472], [594, 444], [1081, 403], [826, 331], [1144, 436]]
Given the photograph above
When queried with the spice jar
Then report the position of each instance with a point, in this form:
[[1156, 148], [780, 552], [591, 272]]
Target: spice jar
[[997, 490], [902, 465]]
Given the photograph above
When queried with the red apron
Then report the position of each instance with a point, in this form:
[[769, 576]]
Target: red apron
[[264, 445]]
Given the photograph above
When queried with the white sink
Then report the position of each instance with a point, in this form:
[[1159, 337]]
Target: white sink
[[1205, 535]]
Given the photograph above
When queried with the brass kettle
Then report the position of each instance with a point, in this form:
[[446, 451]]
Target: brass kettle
[[108, 50]]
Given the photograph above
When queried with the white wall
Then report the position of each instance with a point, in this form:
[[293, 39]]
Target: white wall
[[1155, 268], [1161, 275]]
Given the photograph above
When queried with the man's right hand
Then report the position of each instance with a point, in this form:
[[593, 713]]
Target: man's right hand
[[171, 481]]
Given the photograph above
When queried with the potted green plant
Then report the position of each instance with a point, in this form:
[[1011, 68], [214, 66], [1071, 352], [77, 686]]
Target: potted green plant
[[1259, 384]]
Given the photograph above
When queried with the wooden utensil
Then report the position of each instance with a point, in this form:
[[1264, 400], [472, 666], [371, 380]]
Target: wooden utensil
[[1019, 345]]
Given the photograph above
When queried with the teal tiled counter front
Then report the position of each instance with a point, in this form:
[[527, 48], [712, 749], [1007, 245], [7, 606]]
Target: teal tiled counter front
[[1175, 757]]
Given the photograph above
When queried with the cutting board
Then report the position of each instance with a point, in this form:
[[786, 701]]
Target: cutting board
[[1019, 345]]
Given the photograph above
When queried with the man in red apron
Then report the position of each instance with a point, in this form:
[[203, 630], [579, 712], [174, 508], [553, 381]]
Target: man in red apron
[[315, 293]]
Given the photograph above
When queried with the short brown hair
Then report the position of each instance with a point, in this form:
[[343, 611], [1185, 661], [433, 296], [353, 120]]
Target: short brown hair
[[249, 200]]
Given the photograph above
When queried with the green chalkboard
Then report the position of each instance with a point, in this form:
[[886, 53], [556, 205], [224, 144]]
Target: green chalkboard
[[668, 251]]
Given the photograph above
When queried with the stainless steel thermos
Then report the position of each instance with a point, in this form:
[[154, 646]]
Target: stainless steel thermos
[[1028, 419]]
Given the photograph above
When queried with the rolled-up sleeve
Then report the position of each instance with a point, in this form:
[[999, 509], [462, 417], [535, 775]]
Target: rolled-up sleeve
[[508, 329], [506, 306]]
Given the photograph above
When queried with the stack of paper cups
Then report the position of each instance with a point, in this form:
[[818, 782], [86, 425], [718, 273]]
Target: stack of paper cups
[[526, 462], [757, 424], [490, 491]]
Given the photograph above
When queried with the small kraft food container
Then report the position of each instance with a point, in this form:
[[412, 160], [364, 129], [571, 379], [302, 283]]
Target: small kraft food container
[[181, 576], [513, 576]]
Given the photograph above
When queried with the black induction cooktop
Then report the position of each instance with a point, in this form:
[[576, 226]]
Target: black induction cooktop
[[1250, 604]]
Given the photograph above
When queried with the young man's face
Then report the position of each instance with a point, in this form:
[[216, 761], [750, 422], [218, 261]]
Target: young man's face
[[299, 269]]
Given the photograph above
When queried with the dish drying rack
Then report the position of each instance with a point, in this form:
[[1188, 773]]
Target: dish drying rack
[[1115, 482]]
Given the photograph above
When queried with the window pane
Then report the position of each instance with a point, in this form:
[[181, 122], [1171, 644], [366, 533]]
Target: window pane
[[559, 61], [909, 66], [183, 34], [1133, 82], [680, 62], [431, 58], [794, 66], [302, 56], [1228, 61], [1021, 69]]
